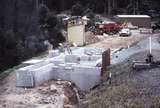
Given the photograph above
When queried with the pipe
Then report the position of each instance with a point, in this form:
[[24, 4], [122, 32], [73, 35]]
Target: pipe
[[150, 45]]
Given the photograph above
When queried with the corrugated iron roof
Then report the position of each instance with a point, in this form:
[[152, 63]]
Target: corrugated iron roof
[[133, 16]]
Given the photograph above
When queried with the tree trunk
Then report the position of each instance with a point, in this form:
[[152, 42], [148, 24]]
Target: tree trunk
[[15, 23], [114, 4], [109, 7]]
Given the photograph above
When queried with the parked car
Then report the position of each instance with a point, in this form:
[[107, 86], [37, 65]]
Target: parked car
[[125, 32]]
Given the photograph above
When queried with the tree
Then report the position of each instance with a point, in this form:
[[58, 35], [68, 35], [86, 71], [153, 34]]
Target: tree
[[43, 14], [49, 26], [77, 9]]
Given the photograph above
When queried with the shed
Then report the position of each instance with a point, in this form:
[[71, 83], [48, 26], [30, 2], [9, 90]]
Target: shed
[[76, 32], [136, 20]]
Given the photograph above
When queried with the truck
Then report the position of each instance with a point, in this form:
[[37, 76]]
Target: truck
[[108, 28]]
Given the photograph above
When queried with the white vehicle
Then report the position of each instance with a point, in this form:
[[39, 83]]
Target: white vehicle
[[125, 32]]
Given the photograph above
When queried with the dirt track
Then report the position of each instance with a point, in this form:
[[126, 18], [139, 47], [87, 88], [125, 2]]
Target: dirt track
[[115, 41]]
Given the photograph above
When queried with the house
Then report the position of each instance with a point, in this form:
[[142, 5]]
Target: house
[[136, 20], [76, 31]]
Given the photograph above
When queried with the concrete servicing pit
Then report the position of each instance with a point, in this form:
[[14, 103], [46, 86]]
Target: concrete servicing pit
[[81, 67]]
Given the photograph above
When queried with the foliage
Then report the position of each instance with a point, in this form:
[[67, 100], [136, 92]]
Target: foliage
[[49, 25], [77, 9]]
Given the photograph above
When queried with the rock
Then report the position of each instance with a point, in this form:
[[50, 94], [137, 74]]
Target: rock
[[53, 88]]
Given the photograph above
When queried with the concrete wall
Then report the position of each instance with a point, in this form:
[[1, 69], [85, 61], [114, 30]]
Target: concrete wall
[[31, 76], [53, 53], [79, 69], [84, 77], [24, 78], [42, 74]]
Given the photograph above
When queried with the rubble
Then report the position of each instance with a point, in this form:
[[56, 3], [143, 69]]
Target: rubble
[[51, 94], [91, 38]]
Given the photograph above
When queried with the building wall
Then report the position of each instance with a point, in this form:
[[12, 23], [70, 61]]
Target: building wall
[[140, 22], [76, 34]]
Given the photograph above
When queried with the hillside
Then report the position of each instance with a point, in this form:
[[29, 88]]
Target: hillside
[[129, 88]]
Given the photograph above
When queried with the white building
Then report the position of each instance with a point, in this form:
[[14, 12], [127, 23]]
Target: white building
[[76, 32]]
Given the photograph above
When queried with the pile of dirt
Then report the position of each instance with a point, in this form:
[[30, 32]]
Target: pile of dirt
[[129, 88], [90, 38], [52, 94]]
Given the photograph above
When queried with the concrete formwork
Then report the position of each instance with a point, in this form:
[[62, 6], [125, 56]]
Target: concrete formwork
[[53, 53], [42, 74], [86, 77], [79, 68], [83, 76]]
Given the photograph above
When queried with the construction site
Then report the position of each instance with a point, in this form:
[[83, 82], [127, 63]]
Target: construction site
[[109, 63], [63, 78]]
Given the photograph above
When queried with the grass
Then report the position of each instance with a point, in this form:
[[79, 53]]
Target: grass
[[111, 97], [40, 56], [7, 72], [121, 94]]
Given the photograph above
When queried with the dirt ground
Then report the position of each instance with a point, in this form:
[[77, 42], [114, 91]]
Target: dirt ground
[[52, 94], [90, 38], [115, 41]]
